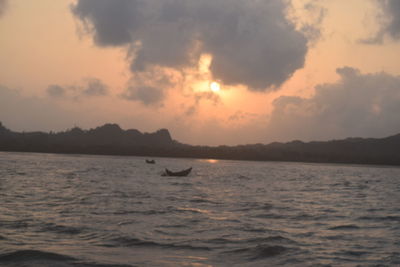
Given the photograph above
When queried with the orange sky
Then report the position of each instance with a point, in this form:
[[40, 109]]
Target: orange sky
[[43, 44]]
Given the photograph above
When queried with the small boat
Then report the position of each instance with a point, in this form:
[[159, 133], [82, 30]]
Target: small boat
[[180, 173], [150, 161]]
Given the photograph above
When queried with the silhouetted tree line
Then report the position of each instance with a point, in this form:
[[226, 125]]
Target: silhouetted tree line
[[110, 139]]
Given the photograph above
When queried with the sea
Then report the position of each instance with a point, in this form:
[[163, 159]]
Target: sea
[[100, 211]]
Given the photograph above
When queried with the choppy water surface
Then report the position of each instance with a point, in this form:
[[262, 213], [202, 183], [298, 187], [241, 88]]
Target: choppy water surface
[[65, 210]]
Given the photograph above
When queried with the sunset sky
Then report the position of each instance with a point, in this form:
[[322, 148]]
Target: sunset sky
[[211, 71]]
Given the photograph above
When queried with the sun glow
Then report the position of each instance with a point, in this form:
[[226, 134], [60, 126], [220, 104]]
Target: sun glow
[[215, 87]]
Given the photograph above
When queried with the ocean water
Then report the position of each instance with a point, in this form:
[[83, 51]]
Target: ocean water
[[76, 210]]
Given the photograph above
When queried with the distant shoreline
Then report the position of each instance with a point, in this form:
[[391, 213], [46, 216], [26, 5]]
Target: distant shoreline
[[110, 139], [171, 157]]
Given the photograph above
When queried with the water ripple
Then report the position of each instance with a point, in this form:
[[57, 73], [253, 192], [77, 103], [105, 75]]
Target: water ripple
[[100, 211]]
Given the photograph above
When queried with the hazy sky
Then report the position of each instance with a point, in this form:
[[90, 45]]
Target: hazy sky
[[210, 71]]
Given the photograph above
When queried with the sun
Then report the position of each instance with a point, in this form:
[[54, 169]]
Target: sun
[[215, 87]]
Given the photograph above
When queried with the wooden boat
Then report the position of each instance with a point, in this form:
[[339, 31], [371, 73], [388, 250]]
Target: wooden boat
[[152, 161], [180, 173]]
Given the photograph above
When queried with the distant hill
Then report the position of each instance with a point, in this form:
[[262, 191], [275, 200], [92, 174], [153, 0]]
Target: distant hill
[[110, 139], [106, 139]]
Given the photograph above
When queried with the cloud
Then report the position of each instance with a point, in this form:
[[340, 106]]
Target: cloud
[[3, 7], [210, 96], [364, 105], [90, 87], [145, 94], [198, 97], [95, 87], [389, 20], [392, 9], [252, 43], [112, 22], [242, 116], [55, 90], [150, 88]]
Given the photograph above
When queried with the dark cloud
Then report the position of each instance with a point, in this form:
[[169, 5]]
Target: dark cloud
[[112, 22], [241, 116], [95, 87], [389, 20], [365, 105], [252, 42], [89, 87], [190, 111], [314, 14], [149, 87], [3, 7], [210, 96], [392, 8], [145, 94], [198, 97], [55, 90]]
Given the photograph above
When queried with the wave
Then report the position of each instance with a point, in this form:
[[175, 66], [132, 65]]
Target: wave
[[355, 253], [253, 230], [167, 210], [344, 227], [44, 258], [199, 200], [259, 240], [259, 252], [190, 210], [95, 237], [251, 206], [135, 242], [335, 237], [182, 184], [380, 218], [16, 224], [169, 233], [141, 212], [275, 238], [29, 255], [270, 216], [243, 177], [61, 229], [220, 240], [174, 226], [203, 200]]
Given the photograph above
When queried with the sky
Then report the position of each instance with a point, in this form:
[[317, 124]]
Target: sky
[[213, 72]]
